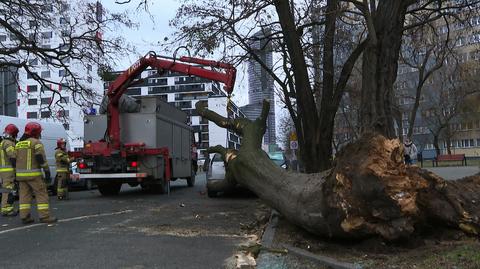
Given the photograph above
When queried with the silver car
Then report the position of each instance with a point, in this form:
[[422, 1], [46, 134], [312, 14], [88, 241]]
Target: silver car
[[216, 176], [216, 182]]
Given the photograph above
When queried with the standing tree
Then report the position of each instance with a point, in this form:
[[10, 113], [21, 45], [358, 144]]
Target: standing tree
[[369, 191], [453, 99], [294, 30], [26, 28]]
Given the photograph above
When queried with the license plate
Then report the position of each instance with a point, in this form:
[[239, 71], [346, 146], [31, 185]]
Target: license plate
[[75, 177], [84, 171]]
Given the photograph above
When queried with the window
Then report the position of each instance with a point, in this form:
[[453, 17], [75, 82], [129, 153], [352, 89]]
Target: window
[[33, 61], [134, 91], [66, 126], [64, 21], [65, 33], [61, 72], [3, 38], [45, 100], [45, 74], [13, 37], [64, 47], [45, 114], [47, 8], [47, 35], [32, 102], [64, 100], [89, 79], [32, 88], [32, 75], [63, 113], [46, 88], [32, 115], [89, 67]]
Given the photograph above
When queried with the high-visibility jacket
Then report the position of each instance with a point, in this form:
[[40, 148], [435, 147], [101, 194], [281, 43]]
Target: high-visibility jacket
[[62, 161], [7, 152], [27, 163]]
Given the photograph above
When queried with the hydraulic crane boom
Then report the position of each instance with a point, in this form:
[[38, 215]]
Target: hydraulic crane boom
[[121, 84]]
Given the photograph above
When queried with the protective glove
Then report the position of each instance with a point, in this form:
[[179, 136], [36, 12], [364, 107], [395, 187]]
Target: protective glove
[[48, 176]]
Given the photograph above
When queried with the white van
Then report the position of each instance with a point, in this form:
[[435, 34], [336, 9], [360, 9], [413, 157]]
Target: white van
[[50, 133]]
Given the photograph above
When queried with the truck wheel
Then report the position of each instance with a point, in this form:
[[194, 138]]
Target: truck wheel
[[157, 188], [212, 194], [109, 189], [88, 184], [191, 181]]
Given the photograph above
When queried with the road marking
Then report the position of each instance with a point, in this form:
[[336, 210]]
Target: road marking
[[67, 220]]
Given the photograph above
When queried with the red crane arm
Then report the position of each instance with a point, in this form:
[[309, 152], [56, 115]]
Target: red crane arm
[[120, 85]]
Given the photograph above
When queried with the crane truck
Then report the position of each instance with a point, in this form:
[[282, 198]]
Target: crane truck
[[151, 143]]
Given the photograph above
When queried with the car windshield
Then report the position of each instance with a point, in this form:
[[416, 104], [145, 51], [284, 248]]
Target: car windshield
[[276, 157]]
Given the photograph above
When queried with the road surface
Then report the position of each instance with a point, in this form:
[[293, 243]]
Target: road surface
[[133, 230]]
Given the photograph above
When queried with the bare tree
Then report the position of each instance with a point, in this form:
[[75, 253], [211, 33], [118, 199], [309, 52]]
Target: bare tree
[[424, 51], [26, 28], [304, 35], [452, 98]]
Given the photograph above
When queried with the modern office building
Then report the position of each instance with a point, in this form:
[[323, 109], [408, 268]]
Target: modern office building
[[184, 92], [260, 86], [8, 92], [56, 99]]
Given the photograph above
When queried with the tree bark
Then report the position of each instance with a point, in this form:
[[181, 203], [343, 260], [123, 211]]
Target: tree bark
[[436, 145], [368, 192], [379, 67]]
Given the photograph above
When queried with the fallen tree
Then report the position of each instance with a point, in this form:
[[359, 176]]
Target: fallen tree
[[368, 192]]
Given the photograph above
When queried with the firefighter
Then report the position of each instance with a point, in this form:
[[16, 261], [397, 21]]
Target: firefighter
[[63, 163], [7, 169], [30, 160]]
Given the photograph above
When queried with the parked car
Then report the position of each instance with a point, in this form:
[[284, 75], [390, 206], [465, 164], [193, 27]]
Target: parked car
[[215, 174], [278, 158]]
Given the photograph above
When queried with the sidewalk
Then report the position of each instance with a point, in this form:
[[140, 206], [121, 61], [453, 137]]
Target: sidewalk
[[454, 172]]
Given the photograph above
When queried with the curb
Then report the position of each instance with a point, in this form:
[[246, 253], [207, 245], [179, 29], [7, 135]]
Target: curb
[[269, 234], [324, 260], [269, 260]]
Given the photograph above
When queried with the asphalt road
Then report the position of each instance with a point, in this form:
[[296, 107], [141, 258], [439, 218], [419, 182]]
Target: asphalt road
[[133, 230]]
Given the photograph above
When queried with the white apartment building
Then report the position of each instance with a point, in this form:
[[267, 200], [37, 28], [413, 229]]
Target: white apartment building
[[184, 92], [36, 101]]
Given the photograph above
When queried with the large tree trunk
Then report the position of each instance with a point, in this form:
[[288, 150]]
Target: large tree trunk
[[379, 68], [436, 145], [368, 192]]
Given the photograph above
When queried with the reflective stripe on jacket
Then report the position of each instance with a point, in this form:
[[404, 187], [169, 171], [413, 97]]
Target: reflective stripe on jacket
[[27, 164], [62, 161], [7, 152]]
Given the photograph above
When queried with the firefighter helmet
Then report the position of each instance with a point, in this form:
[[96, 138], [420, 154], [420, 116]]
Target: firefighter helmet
[[33, 129], [61, 143], [11, 130]]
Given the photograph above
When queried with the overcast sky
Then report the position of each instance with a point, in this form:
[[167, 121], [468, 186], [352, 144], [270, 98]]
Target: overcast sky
[[151, 27], [154, 27]]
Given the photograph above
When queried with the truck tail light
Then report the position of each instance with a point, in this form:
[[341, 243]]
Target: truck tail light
[[134, 164], [82, 165]]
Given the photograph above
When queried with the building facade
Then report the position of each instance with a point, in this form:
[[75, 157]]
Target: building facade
[[184, 92], [260, 86], [443, 120], [48, 93]]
